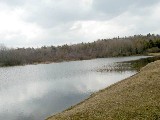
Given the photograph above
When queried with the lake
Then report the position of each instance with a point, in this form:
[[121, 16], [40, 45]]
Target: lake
[[34, 92]]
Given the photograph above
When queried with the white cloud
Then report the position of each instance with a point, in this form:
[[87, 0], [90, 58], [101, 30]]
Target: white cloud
[[13, 30], [56, 22], [93, 30]]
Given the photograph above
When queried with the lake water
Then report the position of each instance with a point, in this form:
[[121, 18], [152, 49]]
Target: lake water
[[34, 92]]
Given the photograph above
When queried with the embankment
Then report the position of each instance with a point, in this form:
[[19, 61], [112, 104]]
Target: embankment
[[137, 97]]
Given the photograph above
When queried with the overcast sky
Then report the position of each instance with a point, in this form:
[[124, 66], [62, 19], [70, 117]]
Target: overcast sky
[[34, 23]]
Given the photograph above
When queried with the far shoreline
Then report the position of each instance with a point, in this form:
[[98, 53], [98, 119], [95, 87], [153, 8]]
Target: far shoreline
[[61, 61]]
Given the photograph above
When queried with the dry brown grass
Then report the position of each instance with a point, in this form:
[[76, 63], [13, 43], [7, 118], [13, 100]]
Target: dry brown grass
[[154, 54], [135, 98]]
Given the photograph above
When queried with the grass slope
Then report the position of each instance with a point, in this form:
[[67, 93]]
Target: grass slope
[[135, 98]]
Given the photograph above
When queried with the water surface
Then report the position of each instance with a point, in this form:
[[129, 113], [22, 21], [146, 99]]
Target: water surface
[[34, 92]]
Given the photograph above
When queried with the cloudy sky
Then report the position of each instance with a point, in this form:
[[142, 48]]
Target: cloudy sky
[[34, 23]]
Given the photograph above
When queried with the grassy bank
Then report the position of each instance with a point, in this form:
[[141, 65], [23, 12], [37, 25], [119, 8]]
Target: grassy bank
[[154, 54], [136, 98]]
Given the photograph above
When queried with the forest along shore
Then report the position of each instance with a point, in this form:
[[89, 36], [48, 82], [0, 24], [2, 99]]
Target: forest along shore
[[136, 97], [102, 48]]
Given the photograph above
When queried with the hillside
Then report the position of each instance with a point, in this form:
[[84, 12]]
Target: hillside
[[137, 97]]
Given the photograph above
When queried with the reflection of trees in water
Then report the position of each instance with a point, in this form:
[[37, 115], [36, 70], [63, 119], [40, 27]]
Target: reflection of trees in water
[[138, 64], [134, 65]]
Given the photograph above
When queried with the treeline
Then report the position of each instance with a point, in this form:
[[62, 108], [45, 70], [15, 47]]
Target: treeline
[[126, 46]]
